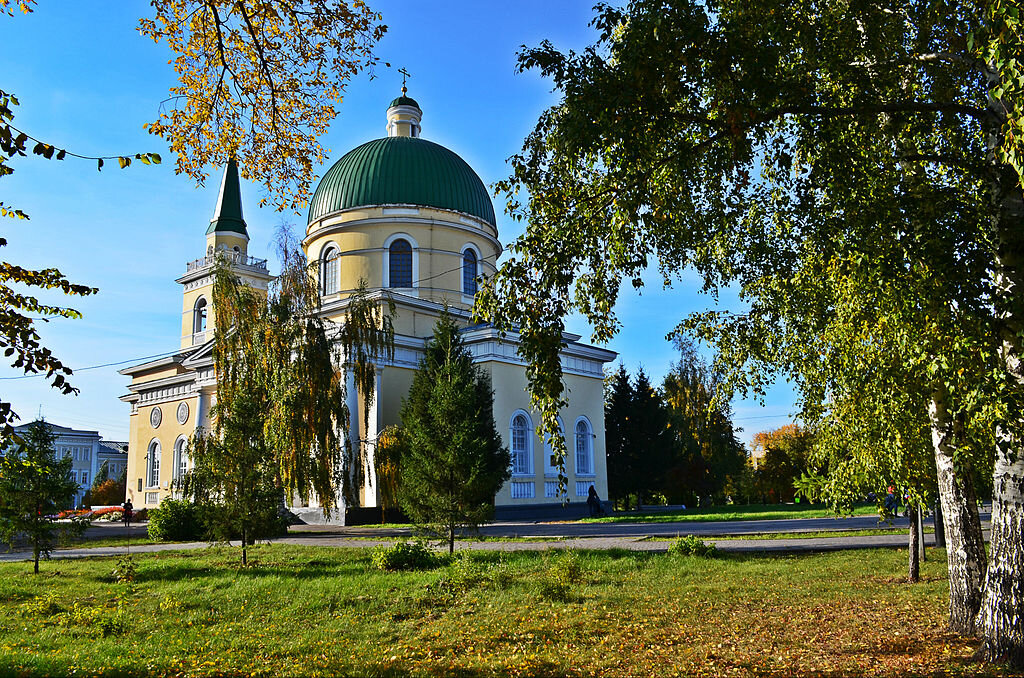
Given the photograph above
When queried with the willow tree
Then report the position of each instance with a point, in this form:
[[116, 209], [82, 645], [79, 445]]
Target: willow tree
[[280, 420], [776, 144]]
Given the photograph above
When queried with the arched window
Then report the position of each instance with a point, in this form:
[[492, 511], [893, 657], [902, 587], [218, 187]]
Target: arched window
[[550, 467], [584, 449], [180, 459], [400, 264], [153, 464], [469, 272], [329, 271], [522, 457], [199, 316]]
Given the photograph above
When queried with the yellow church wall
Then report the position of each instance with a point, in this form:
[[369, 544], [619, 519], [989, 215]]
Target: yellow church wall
[[226, 240], [438, 238], [395, 383], [142, 434], [189, 299], [509, 384]]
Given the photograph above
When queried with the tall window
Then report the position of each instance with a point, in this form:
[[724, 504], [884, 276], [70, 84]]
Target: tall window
[[400, 264], [521, 457], [329, 271], [199, 316], [584, 449], [180, 459], [153, 465], [469, 272]]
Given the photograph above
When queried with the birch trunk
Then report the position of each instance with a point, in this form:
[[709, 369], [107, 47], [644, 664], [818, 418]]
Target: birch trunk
[[913, 556], [1001, 619], [965, 544]]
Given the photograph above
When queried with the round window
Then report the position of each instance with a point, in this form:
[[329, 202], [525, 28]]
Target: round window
[[182, 413], [155, 417]]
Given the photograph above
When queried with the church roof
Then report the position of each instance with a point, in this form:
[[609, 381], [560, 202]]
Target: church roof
[[228, 214], [403, 101], [400, 170]]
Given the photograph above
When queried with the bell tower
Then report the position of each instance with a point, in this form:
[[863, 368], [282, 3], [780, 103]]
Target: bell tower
[[226, 237]]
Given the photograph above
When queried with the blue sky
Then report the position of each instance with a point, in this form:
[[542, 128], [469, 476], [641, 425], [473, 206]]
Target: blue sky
[[87, 81]]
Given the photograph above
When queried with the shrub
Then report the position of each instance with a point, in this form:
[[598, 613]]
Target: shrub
[[405, 556], [692, 546], [175, 520], [463, 574], [562, 578], [124, 571]]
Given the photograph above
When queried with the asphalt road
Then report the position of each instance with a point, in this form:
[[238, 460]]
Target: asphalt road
[[630, 536]]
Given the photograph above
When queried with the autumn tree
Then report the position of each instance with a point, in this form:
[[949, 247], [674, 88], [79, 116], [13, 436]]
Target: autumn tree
[[452, 461], [280, 422], [709, 458], [259, 81], [34, 487], [854, 170], [782, 456], [256, 81]]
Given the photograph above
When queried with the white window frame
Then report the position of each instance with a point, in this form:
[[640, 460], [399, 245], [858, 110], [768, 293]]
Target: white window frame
[[528, 452], [462, 263], [386, 266], [325, 264], [153, 464], [195, 315], [179, 454], [589, 452], [551, 471]]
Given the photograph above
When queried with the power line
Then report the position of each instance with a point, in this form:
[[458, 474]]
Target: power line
[[96, 367]]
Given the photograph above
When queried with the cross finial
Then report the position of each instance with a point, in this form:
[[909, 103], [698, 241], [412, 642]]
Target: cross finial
[[405, 74]]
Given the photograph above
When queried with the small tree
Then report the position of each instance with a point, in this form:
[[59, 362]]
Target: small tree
[[453, 461], [34, 486]]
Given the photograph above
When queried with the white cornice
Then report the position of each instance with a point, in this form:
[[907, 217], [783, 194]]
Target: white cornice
[[475, 225]]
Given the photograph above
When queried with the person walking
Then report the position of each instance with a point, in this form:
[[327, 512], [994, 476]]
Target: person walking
[[126, 515]]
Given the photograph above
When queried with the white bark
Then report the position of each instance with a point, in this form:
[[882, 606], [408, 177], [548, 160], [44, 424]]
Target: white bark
[[965, 545]]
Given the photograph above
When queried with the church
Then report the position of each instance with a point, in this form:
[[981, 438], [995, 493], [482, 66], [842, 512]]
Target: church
[[413, 220]]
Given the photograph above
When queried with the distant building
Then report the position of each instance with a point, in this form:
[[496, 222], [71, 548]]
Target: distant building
[[87, 452]]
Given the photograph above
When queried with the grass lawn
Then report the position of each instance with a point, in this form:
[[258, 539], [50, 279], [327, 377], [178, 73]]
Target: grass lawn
[[304, 611], [732, 512]]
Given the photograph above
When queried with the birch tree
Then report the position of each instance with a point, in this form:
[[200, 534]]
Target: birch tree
[[801, 151]]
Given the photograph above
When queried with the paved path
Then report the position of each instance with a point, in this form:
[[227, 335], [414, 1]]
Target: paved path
[[568, 535]]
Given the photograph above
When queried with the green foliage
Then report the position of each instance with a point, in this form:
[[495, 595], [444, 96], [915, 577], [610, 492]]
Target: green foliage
[[640, 444], [125, 570], [453, 461], [692, 546], [176, 520], [280, 417], [562, 579], [413, 555], [851, 170], [710, 459], [34, 487]]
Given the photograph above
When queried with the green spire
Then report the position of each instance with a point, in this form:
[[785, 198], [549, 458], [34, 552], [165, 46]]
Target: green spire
[[228, 214]]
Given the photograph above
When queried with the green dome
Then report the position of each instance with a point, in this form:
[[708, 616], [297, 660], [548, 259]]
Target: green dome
[[401, 171], [403, 101]]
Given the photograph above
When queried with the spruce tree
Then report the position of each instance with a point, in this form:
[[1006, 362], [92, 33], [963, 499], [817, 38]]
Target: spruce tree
[[618, 405], [453, 461], [34, 487]]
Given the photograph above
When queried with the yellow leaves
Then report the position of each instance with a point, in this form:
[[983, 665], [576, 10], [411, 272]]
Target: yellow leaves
[[259, 81]]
